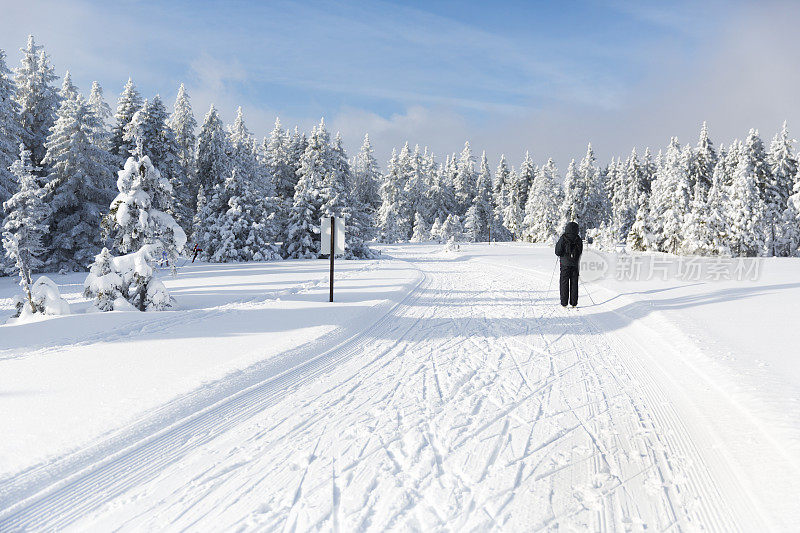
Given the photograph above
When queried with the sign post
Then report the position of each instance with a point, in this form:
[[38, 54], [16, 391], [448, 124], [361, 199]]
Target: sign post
[[332, 242], [333, 245]]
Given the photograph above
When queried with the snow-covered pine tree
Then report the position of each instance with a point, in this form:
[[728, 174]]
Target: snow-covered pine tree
[[441, 199], [421, 232], [596, 201], [302, 240], [68, 89], [648, 170], [783, 168], [128, 104], [10, 134], [452, 228], [78, 188], [524, 182], [574, 208], [243, 229], [464, 179], [514, 211], [389, 217], [358, 221], [670, 198], [500, 185], [542, 210], [635, 192], [37, 99], [149, 127], [436, 230], [102, 135], [25, 222], [212, 153], [746, 210], [137, 217], [472, 225], [366, 177], [702, 165], [500, 201], [639, 237], [183, 125], [483, 212]]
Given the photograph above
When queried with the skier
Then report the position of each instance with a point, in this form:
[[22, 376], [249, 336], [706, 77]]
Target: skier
[[569, 248]]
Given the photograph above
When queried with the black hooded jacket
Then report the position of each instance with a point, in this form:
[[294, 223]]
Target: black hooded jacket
[[570, 240]]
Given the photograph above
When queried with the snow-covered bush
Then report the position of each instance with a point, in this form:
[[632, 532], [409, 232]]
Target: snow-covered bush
[[128, 281], [44, 298]]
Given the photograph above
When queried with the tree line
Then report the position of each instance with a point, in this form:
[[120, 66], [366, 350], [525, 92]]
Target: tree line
[[62, 158]]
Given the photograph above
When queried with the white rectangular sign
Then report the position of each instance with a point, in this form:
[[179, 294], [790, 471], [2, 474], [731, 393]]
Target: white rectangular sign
[[325, 236]]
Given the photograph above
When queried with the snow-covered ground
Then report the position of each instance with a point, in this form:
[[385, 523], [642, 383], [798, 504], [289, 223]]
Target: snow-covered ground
[[441, 390]]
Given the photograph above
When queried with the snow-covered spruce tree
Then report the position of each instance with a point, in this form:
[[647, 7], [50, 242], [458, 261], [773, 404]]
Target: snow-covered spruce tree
[[696, 230], [500, 201], [746, 211], [278, 162], [149, 127], [414, 193], [452, 228], [390, 221], [574, 208], [78, 188], [701, 169], [480, 224], [639, 237], [635, 192], [138, 218], [500, 187], [245, 230], [670, 198], [464, 179], [25, 222], [102, 111], [523, 183], [213, 162], [436, 230], [128, 104], [596, 200], [421, 232], [357, 219], [441, 198], [37, 99], [183, 126], [68, 89], [365, 185], [514, 212], [542, 215], [783, 168], [304, 218], [10, 134]]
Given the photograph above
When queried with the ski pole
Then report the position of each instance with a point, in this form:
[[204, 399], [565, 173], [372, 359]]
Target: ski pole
[[550, 285], [589, 294]]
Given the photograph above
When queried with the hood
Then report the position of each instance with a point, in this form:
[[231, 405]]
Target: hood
[[571, 228]]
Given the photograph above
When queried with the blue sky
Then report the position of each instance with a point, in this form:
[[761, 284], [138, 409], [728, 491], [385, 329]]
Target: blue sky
[[508, 76]]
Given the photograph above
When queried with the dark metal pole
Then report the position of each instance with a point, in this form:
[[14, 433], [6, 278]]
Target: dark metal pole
[[333, 230]]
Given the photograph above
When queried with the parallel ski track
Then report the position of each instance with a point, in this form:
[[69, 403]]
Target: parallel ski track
[[56, 506], [494, 399]]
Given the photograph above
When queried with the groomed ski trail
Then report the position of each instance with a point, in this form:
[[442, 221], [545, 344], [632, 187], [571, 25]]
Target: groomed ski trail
[[477, 403]]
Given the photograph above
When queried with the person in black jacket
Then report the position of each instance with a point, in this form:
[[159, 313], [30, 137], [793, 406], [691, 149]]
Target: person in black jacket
[[569, 248]]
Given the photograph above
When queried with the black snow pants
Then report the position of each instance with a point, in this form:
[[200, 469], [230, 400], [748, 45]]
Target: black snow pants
[[568, 284]]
